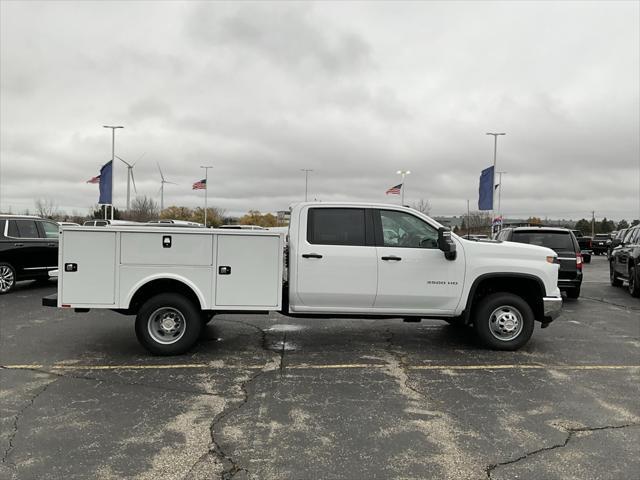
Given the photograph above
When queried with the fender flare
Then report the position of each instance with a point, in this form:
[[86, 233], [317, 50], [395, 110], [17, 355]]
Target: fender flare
[[165, 276]]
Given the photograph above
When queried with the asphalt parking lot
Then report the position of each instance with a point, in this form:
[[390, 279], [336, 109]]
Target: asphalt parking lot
[[269, 397]]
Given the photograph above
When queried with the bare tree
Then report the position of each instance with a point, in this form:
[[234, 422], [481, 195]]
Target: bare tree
[[143, 209], [46, 208], [478, 222], [423, 206]]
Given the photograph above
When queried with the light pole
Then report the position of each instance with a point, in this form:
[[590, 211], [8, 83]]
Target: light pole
[[306, 181], [500, 197], [404, 173], [493, 184], [113, 158], [206, 187]]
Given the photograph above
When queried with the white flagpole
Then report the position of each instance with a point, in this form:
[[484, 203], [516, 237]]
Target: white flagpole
[[206, 188]]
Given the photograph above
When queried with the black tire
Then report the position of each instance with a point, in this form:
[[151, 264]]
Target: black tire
[[586, 258], [573, 292], [514, 313], [613, 278], [634, 282], [163, 339], [7, 277]]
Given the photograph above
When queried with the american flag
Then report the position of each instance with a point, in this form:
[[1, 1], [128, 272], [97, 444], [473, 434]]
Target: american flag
[[394, 190], [94, 179], [200, 184]]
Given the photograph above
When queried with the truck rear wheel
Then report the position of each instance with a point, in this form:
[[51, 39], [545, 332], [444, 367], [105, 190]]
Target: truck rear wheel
[[503, 321], [168, 324]]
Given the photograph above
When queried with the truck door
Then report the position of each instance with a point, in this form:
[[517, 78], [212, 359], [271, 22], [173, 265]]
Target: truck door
[[336, 259], [413, 274]]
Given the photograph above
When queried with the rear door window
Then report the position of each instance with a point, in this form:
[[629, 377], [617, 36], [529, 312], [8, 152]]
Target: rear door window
[[23, 229], [336, 226], [558, 241]]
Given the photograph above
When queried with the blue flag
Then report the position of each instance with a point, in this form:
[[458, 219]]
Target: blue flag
[[105, 184], [485, 200]]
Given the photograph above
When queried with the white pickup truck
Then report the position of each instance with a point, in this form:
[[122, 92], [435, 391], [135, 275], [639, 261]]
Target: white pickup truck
[[339, 260]]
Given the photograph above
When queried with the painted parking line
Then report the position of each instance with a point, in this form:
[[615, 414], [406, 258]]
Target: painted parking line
[[339, 366]]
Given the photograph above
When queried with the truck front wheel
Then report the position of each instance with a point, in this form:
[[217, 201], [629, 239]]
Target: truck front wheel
[[168, 324], [503, 321]]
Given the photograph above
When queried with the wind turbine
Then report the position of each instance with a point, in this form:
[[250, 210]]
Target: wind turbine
[[130, 177], [162, 182]]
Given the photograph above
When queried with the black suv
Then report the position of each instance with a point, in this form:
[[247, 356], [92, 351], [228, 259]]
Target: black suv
[[28, 249], [563, 242], [624, 263]]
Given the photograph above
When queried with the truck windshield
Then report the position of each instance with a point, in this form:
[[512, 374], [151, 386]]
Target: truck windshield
[[554, 240]]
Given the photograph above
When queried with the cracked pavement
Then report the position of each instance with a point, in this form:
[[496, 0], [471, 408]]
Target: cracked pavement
[[269, 397]]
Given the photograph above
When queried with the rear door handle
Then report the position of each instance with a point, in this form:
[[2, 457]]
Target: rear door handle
[[392, 257], [52, 244], [311, 255], [18, 244]]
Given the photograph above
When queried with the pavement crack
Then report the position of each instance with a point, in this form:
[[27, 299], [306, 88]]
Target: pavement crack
[[231, 466], [402, 366], [601, 300], [262, 331], [16, 421], [570, 434]]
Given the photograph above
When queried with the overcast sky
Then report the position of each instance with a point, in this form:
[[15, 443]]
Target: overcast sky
[[354, 91]]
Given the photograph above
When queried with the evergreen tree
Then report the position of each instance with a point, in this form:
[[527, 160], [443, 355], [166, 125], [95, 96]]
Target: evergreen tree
[[622, 224]]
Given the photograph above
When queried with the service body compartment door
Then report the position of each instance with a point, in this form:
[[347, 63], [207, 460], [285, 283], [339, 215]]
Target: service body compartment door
[[248, 271], [166, 248], [88, 267]]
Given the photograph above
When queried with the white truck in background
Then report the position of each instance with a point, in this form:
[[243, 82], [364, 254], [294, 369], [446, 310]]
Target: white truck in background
[[341, 260]]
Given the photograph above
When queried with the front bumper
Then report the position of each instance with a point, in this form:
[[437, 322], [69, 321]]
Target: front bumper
[[552, 307]]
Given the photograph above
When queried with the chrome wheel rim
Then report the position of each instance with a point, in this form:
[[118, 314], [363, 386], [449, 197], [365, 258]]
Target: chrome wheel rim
[[7, 279], [166, 325], [505, 323]]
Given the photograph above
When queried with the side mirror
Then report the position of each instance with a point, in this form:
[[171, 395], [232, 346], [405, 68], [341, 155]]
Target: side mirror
[[446, 244]]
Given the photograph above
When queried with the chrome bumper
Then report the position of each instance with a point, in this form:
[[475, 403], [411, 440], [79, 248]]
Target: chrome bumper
[[552, 307]]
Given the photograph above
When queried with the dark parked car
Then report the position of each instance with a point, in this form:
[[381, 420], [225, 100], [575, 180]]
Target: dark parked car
[[624, 263], [28, 249], [601, 243], [616, 240], [563, 242]]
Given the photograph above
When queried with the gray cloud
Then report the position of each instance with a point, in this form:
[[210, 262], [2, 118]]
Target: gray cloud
[[286, 34]]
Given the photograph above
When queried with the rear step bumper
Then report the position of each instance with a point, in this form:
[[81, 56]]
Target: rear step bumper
[[50, 300]]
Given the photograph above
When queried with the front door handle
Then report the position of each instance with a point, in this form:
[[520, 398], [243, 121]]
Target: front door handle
[[311, 255], [392, 257], [18, 244], [52, 244]]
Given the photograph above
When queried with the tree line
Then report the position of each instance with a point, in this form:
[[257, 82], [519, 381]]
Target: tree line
[[145, 209]]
